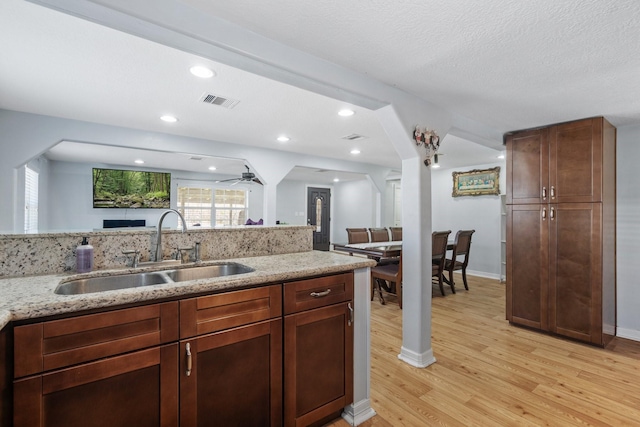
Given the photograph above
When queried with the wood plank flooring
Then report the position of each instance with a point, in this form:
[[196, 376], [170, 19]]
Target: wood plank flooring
[[489, 373]]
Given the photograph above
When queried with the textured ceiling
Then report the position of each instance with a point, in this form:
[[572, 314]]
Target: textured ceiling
[[507, 64]]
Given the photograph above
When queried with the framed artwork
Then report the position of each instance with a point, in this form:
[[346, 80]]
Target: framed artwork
[[477, 182]]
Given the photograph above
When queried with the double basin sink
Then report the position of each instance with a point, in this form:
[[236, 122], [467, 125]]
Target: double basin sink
[[134, 280]]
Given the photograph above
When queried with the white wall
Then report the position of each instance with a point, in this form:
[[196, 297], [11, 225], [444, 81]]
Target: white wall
[[354, 207], [70, 200], [291, 202], [480, 213], [628, 233]]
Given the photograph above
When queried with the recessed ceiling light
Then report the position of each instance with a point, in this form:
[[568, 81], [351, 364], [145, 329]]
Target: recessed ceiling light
[[355, 151], [212, 168], [336, 180], [345, 112], [283, 138], [202, 72], [435, 166], [138, 161], [168, 119], [501, 156]]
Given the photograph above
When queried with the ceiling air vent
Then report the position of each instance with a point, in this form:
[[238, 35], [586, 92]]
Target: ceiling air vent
[[353, 137], [209, 98]]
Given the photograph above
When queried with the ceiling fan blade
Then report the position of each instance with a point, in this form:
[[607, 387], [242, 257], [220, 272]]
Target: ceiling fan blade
[[227, 180], [257, 181]]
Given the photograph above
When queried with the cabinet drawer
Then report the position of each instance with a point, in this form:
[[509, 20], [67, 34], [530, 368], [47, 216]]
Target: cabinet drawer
[[213, 313], [60, 343], [320, 292]]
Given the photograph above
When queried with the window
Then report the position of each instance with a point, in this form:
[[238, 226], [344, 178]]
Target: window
[[231, 207], [195, 205], [30, 200], [199, 205]]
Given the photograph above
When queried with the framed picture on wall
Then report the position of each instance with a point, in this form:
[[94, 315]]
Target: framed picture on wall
[[477, 182]]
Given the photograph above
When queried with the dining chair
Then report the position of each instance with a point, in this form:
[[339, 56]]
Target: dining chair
[[438, 257], [391, 273], [379, 234], [461, 247], [357, 235], [396, 233]]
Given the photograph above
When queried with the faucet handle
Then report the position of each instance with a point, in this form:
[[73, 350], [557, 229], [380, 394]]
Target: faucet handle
[[136, 256]]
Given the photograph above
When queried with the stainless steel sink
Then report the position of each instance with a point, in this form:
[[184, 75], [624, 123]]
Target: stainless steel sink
[[205, 272], [110, 283], [133, 280]]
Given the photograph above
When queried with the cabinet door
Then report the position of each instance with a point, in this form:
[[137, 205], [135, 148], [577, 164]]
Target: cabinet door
[[233, 377], [318, 364], [576, 271], [528, 167], [138, 389], [528, 265], [576, 161]]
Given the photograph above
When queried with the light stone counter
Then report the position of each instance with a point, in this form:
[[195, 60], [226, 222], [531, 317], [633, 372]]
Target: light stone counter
[[33, 297]]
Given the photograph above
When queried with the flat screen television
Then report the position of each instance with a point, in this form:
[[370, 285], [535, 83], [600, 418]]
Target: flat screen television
[[128, 189]]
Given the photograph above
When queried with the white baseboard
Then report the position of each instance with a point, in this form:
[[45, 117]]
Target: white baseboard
[[483, 274], [630, 334], [358, 413], [415, 359]]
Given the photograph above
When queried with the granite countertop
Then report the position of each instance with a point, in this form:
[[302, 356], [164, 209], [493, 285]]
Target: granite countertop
[[33, 297]]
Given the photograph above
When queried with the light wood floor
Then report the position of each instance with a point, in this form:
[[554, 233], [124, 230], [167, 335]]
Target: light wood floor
[[489, 373]]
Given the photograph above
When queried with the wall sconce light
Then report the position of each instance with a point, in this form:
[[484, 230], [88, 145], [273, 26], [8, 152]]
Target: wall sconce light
[[430, 140]]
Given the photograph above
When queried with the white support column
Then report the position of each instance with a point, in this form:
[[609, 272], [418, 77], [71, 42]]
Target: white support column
[[416, 269], [361, 409]]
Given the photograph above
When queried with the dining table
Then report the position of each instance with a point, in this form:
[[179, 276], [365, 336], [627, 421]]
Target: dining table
[[377, 250]]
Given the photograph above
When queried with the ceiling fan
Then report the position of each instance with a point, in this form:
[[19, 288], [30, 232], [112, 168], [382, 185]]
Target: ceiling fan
[[247, 176]]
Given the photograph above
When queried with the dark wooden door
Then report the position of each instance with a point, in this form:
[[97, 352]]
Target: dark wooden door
[[576, 271], [576, 161], [318, 211], [318, 364], [235, 377], [528, 167], [528, 265], [137, 389]]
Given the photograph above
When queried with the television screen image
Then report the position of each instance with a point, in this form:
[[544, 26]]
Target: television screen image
[[127, 189]]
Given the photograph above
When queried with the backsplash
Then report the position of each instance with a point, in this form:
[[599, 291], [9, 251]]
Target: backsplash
[[31, 254]]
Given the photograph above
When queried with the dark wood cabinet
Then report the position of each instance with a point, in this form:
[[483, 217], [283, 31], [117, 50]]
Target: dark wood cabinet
[[561, 245], [318, 349], [218, 359], [234, 374], [6, 376], [138, 388]]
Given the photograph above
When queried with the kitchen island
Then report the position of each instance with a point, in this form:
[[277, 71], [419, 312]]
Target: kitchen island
[[29, 299]]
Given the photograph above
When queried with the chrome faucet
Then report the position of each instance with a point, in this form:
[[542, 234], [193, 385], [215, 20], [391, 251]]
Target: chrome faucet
[[159, 239]]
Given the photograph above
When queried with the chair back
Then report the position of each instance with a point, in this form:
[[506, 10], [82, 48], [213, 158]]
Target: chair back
[[396, 233], [358, 235], [462, 245], [379, 234], [439, 246]]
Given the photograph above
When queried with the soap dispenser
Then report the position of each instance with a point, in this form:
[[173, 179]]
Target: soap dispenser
[[84, 257]]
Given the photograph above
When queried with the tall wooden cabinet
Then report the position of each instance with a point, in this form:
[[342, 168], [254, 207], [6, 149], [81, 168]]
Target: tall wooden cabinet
[[561, 269]]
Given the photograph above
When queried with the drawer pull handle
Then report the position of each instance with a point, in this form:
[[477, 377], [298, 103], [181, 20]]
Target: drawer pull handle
[[320, 294], [189, 362], [553, 192], [350, 322], [544, 213], [544, 193], [552, 213]]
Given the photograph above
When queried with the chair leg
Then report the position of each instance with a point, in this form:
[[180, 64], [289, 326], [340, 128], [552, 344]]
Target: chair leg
[[379, 287], [464, 278], [440, 277]]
